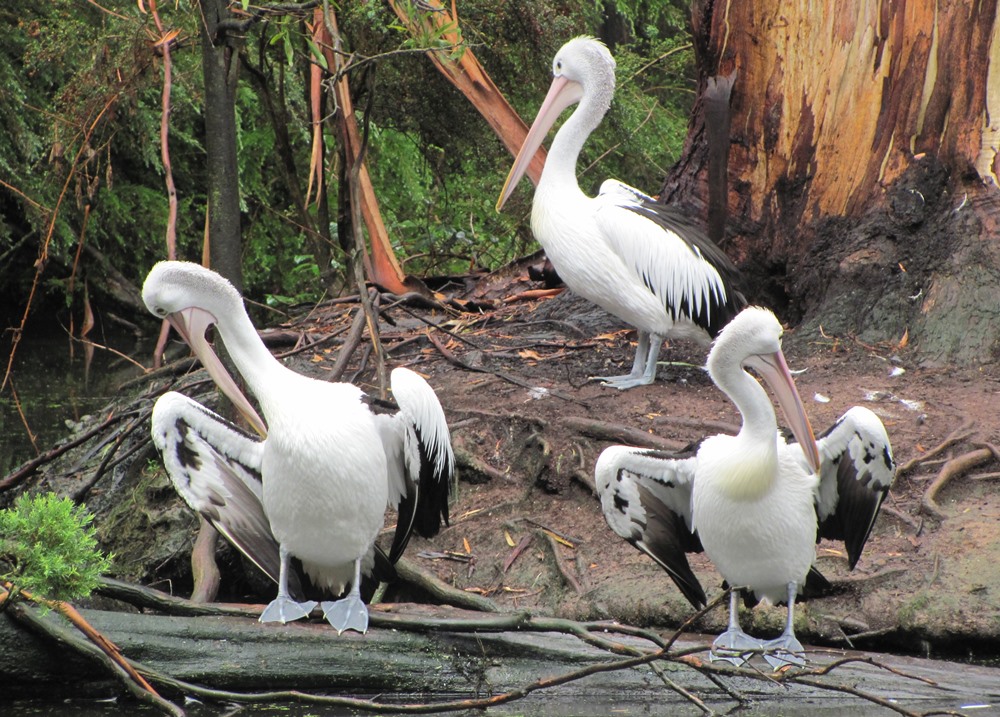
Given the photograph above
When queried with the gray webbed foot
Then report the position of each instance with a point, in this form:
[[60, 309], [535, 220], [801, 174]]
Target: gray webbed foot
[[783, 651], [624, 382], [735, 647], [348, 613], [283, 609]]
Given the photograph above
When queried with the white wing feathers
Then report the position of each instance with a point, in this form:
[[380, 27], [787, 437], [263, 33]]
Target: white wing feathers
[[669, 264], [421, 462], [856, 472], [646, 499], [215, 467]]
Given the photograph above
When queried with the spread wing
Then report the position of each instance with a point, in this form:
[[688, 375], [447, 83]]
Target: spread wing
[[646, 498], [215, 467], [420, 459], [671, 254], [856, 472]]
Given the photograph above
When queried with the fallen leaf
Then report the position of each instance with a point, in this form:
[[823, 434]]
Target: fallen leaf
[[558, 538], [468, 548], [510, 540], [905, 340]]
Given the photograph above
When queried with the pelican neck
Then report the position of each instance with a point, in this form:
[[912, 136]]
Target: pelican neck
[[751, 400], [246, 349], [560, 163]]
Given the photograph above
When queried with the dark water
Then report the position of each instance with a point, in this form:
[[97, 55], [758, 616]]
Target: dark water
[[55, 385], [536, 705]]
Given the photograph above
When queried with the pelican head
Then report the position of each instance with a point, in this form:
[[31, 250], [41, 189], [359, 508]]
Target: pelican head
[[753, 340], [193, 298], [582, 71]]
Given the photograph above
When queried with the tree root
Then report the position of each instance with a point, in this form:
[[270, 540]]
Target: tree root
[[605, 431], [952, 469], [960, 434]]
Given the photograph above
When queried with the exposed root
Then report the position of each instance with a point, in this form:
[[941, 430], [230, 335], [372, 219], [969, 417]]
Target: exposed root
[[952, 469], [962, 433], [605, 431]]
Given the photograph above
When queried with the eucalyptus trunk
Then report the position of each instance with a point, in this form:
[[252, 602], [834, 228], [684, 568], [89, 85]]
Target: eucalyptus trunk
[[863, 174]]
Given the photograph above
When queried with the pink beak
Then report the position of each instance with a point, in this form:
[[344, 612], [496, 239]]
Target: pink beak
[[191, 324], [773, 369], [562, 94]]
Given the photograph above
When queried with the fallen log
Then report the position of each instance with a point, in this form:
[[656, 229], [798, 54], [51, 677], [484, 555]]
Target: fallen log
[[457, 653]]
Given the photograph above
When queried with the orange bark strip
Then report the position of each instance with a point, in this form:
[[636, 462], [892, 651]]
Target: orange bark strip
[[469, 77], [383, 268]]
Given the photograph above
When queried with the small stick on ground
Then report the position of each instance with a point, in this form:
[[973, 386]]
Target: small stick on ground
[[564, 570]]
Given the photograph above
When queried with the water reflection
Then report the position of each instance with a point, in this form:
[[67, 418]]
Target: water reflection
[[54, 386]]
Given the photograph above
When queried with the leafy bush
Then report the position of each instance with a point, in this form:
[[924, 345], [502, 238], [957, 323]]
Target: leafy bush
[[47, 547]]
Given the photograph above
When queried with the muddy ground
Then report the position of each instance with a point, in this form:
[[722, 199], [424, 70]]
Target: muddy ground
[[528, 426]]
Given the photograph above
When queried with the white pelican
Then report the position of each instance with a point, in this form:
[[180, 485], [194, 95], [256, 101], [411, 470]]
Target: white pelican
[[644, 262], [756, 504], [317, 484]]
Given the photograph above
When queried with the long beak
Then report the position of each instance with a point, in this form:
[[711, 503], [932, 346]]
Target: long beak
[[562, 93], [773, 369], [191, 324]]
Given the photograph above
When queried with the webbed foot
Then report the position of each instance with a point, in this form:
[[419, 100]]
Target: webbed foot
[[735, 647], [783, 651], [348, 613], [283, 609], [623, 382]]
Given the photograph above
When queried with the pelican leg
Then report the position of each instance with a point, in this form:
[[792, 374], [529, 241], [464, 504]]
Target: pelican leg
[[734, 645], [643, 366], [350, 612], [283, 609], [786, 649]]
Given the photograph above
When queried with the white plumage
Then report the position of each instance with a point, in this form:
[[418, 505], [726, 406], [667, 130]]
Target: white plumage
[[755, 503], [642, 261], [316, 484]]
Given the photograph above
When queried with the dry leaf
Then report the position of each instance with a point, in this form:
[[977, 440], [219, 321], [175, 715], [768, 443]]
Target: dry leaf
[[510, 540], [468, 548], [559, 539]]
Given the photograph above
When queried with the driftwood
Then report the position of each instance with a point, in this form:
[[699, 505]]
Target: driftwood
[[454, 659]]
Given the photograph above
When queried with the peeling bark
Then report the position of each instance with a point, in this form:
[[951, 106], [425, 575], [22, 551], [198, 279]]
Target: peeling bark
[[839, 115]]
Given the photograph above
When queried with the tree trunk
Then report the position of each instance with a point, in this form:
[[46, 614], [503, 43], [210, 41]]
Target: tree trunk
[[863, 166], [220, 65]]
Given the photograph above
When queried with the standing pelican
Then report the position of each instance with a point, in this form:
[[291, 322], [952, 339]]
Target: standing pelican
[[756, 504], [634, 257], [317, 483]]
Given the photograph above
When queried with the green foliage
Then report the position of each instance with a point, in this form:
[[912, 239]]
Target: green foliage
[[47, 547], [80, 82]]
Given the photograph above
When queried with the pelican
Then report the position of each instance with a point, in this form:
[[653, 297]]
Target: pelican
[[756, 504], [637, 259], [316, 481]]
